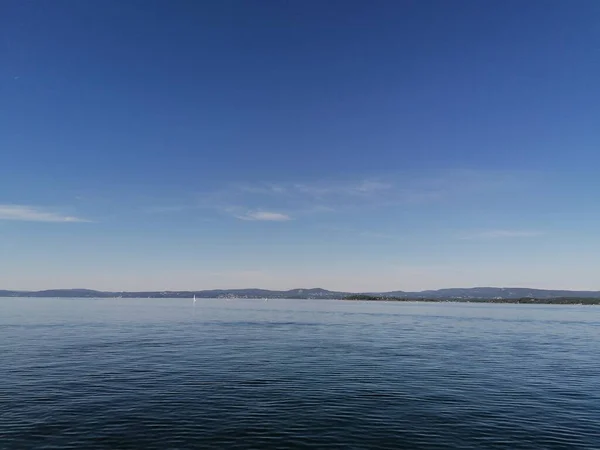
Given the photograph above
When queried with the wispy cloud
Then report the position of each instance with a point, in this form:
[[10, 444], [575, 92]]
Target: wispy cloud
[[502, 234], [264, 216], [166, 209], [300, 198], [328, 188], [263, 188], [384, 190], [34, 214], [309, 197], [378, 235]]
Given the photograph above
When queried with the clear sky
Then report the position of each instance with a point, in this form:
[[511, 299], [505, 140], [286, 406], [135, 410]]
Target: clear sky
[[351, 145]]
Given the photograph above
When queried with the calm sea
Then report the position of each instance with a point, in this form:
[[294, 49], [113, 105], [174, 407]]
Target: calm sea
[[163, 374]]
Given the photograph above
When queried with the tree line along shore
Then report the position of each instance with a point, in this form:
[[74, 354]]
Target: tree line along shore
[[526, 300]]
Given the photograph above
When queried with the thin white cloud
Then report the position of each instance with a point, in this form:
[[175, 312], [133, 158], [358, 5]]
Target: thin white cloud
[[378, 235], [502, 234], [32, 214], [392, 190], [264, 216], [263, 188], [337, 189]]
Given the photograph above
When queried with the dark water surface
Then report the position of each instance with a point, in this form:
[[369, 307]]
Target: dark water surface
[[162, 374]]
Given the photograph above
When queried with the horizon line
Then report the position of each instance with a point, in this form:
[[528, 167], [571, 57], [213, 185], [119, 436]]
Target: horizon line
[[300, 288]]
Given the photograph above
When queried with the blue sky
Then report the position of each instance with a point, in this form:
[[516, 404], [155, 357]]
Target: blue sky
[[348, 145]]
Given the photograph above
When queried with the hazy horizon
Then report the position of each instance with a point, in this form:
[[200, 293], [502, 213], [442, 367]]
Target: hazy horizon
[[283, 287], [353, 146]]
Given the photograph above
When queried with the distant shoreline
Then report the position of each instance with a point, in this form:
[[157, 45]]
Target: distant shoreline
[[355, 298], [467, 295], [525, 300]]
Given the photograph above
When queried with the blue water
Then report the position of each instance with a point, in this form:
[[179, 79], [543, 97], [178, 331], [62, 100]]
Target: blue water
[[163, 374]]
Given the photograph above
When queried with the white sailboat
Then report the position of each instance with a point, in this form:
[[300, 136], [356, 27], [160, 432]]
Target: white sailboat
[[194, 299]]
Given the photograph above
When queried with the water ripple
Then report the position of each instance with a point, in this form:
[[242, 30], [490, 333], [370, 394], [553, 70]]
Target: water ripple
[[291, 375]]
